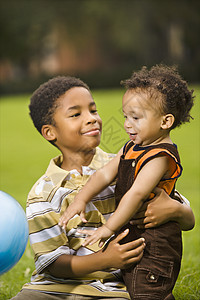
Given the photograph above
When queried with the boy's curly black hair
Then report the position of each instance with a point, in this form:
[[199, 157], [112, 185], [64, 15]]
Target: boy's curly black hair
[[44, 100], [177, 100]]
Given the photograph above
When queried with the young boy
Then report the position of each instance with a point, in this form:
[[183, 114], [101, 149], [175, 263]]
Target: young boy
[[155, 102], [64, 112]]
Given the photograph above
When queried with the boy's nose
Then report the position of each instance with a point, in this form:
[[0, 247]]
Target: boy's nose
[[91, 119]]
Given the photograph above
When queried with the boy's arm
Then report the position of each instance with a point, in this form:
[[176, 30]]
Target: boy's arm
[[162, 209], [97, 182], [114, 255]]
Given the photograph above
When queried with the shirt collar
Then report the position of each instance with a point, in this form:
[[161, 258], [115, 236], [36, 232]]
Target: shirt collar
[[57, 174]]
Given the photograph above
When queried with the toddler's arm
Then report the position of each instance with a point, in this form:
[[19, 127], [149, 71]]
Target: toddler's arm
[[97, 182], [144, 183]]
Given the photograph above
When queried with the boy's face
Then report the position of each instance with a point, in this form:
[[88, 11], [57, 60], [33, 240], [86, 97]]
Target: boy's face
[[77, 124], [142, 121]]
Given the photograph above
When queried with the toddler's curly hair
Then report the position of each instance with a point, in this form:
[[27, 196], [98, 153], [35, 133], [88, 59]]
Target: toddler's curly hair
[[178, 99]]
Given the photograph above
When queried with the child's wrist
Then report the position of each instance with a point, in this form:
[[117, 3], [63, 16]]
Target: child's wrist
[[79, 199], [111, 230]]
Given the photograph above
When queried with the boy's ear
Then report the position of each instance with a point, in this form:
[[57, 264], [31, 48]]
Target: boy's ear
[[167, 121], [48, 132]]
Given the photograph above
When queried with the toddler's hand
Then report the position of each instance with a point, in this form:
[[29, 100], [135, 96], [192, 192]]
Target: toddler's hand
[[102, 234], [77, 207]]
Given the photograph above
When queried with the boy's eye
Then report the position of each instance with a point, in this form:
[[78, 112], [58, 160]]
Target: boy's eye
[[93, 111]]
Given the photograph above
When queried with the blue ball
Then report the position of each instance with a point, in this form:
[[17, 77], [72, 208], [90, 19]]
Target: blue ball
[[13, 232]]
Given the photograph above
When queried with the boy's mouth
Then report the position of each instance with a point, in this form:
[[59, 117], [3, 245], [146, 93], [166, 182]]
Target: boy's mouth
[[93, 132]]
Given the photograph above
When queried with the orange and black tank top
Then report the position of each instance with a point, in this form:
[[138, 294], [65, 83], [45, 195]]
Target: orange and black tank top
[[135, 157]]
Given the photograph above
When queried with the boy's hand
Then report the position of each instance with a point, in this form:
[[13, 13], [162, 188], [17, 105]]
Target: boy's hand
[[102, 234], [77, 207], [122, 256], [155, 212]]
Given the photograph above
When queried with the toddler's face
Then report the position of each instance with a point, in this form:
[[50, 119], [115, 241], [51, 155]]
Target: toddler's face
[[142, 121]]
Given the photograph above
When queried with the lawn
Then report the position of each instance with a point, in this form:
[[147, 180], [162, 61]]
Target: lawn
[[24, 156]]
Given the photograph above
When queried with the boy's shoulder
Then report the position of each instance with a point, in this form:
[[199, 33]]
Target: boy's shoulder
[[101, 158], [53, 177]]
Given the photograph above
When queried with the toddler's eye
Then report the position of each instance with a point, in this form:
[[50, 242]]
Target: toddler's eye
[[75, 115]]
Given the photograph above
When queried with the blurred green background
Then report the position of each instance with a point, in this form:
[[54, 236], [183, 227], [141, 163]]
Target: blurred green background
[[25, 156], [102, 42]]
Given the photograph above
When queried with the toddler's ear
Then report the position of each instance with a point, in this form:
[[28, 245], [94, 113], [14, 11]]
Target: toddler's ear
[[167, 121], [48, 132]]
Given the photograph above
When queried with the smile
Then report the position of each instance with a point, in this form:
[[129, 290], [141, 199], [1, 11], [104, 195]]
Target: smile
[[132, 136], [93, 132]]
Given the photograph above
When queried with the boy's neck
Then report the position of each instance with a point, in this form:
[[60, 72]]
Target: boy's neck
[[76, 160]]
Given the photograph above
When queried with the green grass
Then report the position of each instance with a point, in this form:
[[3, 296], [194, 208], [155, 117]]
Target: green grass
[[24, 156]]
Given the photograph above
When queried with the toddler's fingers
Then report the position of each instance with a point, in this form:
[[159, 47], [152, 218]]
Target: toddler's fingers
[[90, 241], [83, 218], [61, 223], [85, 243], [101, 243], [60, 220], [86, 231], [64, 220]]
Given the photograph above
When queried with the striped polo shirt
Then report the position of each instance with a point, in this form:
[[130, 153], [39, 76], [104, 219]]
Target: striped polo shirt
[[47, 200]]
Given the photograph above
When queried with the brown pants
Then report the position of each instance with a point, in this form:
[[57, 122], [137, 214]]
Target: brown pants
[[35, 295], [154, 277]]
